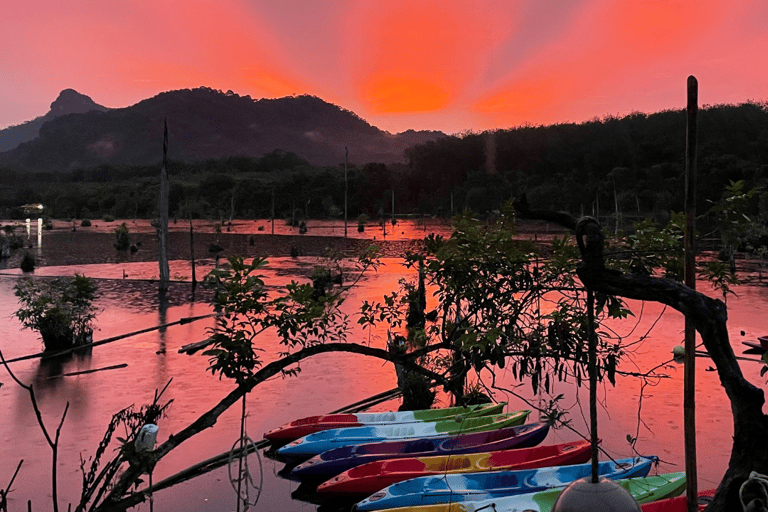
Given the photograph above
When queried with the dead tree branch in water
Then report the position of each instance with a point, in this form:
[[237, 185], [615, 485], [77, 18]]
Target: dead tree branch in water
[[709, 316]]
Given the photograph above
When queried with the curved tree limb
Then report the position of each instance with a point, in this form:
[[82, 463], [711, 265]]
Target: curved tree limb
[[119, 498]]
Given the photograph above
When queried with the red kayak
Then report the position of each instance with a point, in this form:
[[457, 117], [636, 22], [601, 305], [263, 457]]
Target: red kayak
[[374, 476], [678, 504]]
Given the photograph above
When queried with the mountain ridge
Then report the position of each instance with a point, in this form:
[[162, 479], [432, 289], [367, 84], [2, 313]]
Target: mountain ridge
[[206, 123], [69, 101]]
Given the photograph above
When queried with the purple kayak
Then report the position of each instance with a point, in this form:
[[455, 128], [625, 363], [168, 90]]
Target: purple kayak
[[333, 462]]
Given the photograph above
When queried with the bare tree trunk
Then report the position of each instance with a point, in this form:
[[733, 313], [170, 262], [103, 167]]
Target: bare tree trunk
[[163, 234]]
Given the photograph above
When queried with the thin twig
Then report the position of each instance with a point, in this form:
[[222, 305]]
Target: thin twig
[[8, 489]]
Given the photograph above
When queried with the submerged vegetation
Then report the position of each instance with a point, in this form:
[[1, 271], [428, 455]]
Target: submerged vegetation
[[61, 310]]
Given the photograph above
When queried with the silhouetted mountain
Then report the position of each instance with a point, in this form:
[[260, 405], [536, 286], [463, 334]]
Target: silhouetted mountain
[[204, 123], [68, 102]]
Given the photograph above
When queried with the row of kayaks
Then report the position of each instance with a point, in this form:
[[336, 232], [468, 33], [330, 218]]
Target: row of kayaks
[[453, 459], [312, 424]]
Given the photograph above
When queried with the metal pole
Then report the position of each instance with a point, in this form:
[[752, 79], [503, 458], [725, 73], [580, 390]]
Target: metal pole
[[689, 400]]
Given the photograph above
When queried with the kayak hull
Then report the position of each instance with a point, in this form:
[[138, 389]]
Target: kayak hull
[[369, 478], [311, 424], [319, 442], [679, 503], [432, 490], [643, 489], [333, 462]]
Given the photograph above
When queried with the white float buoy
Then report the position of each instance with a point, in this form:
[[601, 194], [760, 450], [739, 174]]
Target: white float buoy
[[604, 496]]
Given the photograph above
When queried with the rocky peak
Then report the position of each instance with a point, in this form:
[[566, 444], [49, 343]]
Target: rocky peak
[[72, 102]]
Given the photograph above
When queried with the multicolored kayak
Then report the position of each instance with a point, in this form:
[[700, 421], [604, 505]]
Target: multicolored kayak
[[644, 489], [305, 426], [333, 462], [456, 487], [679, 504], [319, 442], [369, 478]]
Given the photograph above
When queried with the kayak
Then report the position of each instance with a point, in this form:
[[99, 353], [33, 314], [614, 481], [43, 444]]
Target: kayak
[[333, 462], [644, 489], [319, 442], [679, 504], [369, 478], [456, 487], [311, 424]]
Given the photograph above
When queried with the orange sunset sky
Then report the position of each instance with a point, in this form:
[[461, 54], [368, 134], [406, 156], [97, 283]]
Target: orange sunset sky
[[425, 64]]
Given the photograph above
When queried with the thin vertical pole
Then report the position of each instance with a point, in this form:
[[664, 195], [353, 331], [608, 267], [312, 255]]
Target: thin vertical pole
[[689, 400], [346, 157], [192, 250], [592, 368], [273, 210], [393, 207], [164, 270]]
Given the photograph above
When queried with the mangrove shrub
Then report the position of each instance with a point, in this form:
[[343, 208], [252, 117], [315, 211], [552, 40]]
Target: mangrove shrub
[[61, 310]]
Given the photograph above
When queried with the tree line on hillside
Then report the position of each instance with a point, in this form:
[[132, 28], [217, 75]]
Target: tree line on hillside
[[628, 167]]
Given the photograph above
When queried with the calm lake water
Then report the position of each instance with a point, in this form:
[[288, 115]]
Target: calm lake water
[[325, 383]]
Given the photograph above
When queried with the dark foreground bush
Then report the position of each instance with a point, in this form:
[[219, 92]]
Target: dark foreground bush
[[61, 310]]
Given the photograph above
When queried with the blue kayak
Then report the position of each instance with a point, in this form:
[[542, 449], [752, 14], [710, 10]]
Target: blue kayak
[[333, 462], [319, 442], [458, 487], [644, 489]]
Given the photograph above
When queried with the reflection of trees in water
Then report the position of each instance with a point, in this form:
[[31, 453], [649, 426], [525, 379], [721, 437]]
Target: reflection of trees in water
[[142, 296], [47, 376]]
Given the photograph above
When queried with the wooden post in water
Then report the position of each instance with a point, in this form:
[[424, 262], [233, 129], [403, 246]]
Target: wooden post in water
[[393, 208], [689, 400], [163, 235], [192, 250], [346, 157]]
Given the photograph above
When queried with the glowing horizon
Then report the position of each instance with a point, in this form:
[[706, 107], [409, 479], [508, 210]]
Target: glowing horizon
[[420, 64]]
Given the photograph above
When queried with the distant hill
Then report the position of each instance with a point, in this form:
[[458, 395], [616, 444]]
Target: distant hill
[[68, 102], [204, 123]]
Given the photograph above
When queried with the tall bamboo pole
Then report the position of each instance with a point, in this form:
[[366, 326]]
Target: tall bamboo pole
[[689, 400]]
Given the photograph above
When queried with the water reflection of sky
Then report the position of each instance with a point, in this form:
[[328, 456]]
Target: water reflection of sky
[[325, 383]]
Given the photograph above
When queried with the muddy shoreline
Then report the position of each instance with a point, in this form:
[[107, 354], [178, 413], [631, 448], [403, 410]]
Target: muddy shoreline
[[67, 244]]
